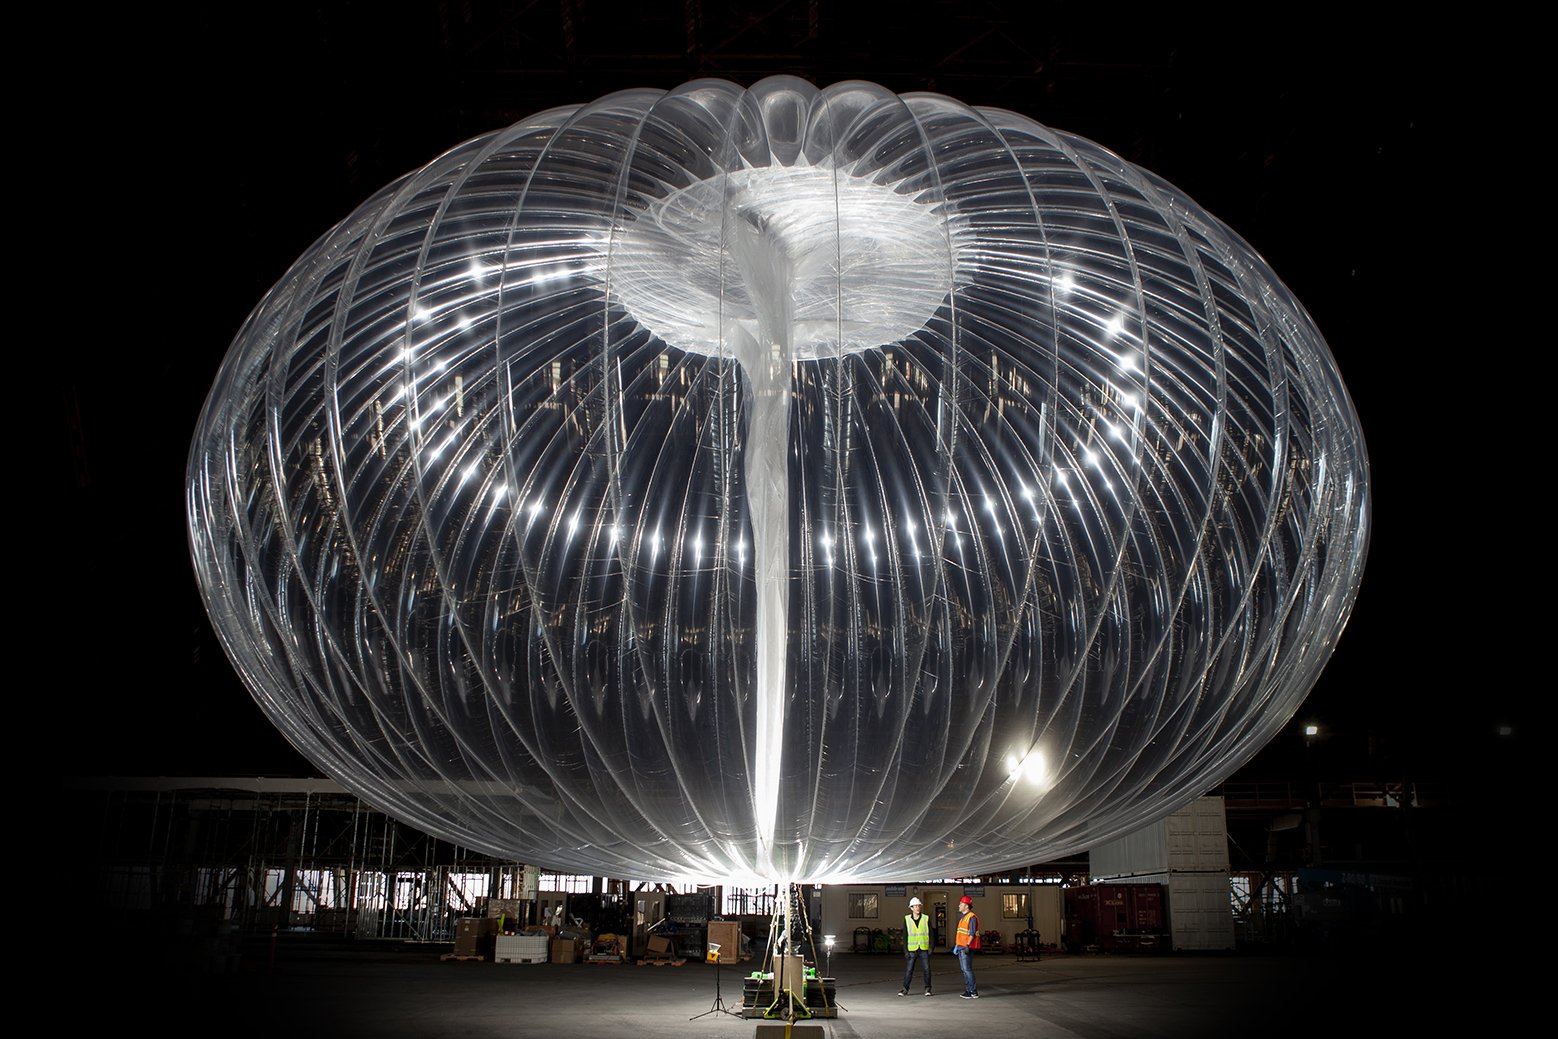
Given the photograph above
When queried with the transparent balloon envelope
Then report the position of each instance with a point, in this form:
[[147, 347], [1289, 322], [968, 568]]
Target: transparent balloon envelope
[[779, 483]]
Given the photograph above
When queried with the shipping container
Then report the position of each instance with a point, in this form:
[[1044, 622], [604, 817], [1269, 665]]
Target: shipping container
[[1192, 840], [1196, 910], [1200, 911], [1116, 918]]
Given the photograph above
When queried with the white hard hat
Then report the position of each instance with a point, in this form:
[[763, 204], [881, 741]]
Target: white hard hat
[[915, 902]]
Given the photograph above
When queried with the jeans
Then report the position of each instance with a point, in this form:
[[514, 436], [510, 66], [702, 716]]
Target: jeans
[[908, 968], [967, 968]]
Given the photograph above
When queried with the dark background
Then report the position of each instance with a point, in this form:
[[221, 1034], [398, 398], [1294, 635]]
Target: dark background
[[1376, 167]]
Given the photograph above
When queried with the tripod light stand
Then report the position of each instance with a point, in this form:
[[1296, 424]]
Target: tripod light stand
[[719, 1003]]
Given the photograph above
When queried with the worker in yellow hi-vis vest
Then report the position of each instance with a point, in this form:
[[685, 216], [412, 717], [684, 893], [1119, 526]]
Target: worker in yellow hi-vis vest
[[916, 944], [968, 940]]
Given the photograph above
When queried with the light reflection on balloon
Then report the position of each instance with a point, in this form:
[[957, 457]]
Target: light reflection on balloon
[[779, 483]]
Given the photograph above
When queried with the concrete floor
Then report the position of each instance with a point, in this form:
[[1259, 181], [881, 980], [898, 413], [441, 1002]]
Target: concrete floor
[[301, 987]]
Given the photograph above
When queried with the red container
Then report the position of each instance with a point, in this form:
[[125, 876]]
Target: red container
[[1115, 917], [1146, 913]]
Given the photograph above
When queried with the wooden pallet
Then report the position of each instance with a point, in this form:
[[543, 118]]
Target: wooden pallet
[[660, 961], [613, 960], [456, 956]]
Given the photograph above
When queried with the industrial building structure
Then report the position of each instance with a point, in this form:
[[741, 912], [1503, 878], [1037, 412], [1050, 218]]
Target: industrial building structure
[[188, 860]]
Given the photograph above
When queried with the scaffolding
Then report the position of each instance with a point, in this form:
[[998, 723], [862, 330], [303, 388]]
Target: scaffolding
[[258, 855], [1262, 907]]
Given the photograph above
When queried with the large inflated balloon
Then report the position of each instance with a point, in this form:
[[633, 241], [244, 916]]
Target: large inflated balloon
[[779, 483]]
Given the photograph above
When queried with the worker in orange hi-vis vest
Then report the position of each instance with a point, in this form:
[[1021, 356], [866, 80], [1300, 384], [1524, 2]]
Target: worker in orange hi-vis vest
[[968, 940]]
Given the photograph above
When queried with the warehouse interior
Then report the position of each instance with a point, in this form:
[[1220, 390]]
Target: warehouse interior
[[233, 890], [1285, 869], [1371, 859]]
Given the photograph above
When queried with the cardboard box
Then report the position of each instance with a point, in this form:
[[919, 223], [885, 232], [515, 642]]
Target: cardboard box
[[565, 950], [476, 925], [475, 936], [659, 945]]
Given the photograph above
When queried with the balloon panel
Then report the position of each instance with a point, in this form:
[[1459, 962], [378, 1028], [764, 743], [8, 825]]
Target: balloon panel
[[781, 483]]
